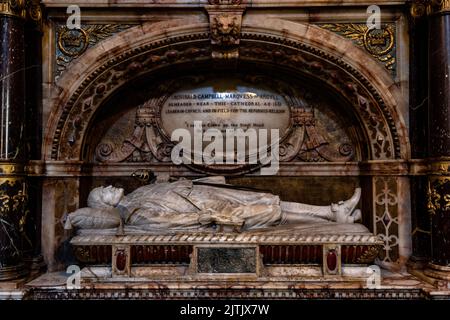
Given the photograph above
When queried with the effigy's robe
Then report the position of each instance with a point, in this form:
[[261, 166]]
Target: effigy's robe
[[183, 205]]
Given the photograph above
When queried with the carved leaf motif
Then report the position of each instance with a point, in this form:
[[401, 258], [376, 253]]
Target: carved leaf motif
[[352, 31], [100, 32], [369, 255]]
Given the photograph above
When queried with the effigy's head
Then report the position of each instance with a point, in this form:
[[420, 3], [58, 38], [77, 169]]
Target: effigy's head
[[103, 197]]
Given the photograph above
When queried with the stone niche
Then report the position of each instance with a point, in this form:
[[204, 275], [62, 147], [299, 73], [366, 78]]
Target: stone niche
[[325, 152], [317, 130], [321, 143]]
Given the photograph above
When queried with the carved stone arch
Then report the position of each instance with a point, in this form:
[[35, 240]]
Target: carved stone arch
[[102, 70]]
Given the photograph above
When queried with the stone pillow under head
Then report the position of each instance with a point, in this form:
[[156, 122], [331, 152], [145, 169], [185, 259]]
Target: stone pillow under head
[[90, 218]]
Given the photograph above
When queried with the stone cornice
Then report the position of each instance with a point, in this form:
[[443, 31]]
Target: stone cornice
[[241, 238], [414, 167], [202, 3]]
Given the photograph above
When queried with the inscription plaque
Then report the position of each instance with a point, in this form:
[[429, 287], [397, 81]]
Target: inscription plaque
[[226, 260], [225, 104]]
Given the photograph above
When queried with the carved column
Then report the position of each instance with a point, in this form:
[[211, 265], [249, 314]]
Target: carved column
[[439, 137], [14, 210]]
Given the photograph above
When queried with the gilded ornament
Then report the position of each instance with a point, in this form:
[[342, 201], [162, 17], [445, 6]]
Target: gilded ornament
[[25, 9], [420, 8], [369, 255], [435, 197], [379, 43], [13, 8], [73, 42]]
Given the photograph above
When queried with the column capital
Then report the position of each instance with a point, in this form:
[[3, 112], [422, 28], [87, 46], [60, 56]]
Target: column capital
[[420, 8], [24, 9], [439, 166]]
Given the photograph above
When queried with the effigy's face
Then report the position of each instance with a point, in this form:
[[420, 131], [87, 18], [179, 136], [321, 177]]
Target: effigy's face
[[111, 195]]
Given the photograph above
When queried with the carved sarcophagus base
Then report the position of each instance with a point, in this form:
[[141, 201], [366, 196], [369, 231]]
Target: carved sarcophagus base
[[221, 256]]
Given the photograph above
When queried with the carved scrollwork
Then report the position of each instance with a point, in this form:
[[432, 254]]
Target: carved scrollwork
[[148, 140], [104, 150], [346, 149], [386, 218]]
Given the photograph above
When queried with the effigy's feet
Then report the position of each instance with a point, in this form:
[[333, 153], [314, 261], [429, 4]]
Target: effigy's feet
[[345, 210]]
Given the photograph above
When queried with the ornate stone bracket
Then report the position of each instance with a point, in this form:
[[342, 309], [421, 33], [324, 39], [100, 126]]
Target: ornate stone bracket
[[225, 20]]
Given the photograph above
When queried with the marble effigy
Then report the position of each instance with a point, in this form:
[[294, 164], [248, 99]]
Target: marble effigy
[[207, 204], [207, 229]]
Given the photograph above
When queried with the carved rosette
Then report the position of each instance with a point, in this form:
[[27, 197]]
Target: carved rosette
[[148, 142]]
